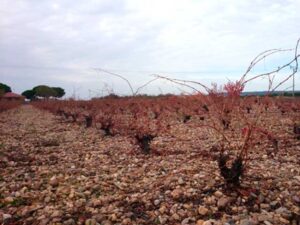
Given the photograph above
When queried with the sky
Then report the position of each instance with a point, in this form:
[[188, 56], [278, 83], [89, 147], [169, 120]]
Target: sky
[[68, 43]]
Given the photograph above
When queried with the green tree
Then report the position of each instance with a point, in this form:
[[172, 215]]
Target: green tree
[[44, 91], [60, 92], [5, 88], [29, 94]]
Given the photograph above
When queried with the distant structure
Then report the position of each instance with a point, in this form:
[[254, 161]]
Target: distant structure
[[10, 96]]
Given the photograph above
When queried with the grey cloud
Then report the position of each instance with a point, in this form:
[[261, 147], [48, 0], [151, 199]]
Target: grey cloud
[[217, 36]]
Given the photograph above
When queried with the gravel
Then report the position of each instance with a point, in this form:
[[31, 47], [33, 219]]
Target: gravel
[[55, 172]]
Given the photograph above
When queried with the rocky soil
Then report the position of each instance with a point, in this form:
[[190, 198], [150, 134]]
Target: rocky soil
[[55, 172]]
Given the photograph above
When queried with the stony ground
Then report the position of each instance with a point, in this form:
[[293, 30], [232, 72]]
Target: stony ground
[[53, 172]]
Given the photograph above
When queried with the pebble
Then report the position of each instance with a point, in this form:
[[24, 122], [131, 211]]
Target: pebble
[[56, 213], [47, 199], [296, 199], [188, 206], [209, 222], [261, 198], [6, 216], [106, 222], [210, 200], [283, 211], [91, 222], [218, 194], [246, 222], [157, 202], [202, 210], [162, 209], [175, 216], [273, 204], [264, 206], [176, 194], [96, 203], [222, 202], [24, 189], [44, 222], [126, 221], [70, 222], [42, 217], [113, 218], [264, 217], [186, 221], [9, 199], [53, 181], [284, 221], [180, 181], [297, 178], [162, 220], [200, 222]]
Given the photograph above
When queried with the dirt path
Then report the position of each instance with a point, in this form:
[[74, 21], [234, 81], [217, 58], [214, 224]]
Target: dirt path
[[56, 172]]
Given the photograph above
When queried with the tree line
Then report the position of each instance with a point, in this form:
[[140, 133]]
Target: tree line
[[40, 91]]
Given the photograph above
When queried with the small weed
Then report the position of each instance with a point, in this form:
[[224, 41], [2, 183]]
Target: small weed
[[156, 221], [2, 205], [97, 192], [18, 202]]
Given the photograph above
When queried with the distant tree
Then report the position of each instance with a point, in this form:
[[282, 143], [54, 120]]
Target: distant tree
[[44, 91], [60, 92], [5, 87], [29, 94], [112, 96]]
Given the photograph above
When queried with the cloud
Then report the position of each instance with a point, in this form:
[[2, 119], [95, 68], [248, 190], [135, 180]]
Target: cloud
[[214, 40]]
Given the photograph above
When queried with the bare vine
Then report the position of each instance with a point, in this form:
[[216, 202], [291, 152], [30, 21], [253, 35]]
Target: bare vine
[[223, 104], [133, 92]]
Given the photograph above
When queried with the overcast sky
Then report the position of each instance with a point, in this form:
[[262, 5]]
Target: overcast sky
[[58, 43]]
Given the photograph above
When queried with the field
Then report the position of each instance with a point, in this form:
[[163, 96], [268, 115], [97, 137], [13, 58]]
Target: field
[[147, 161]]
